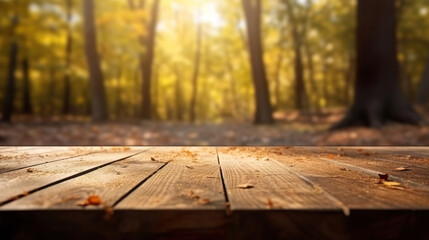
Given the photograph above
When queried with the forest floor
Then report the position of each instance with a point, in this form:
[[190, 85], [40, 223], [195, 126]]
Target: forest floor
[[292, 128]]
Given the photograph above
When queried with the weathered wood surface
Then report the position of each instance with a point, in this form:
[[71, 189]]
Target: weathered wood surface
[[23, 182], [190, 180], [217, 193]]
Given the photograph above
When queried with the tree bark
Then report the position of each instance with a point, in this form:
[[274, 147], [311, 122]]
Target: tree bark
[[27, 106], [378, 98], [147, 61], [298, 62], [195, 74], [98, 96], [9, 94], [252, 10], [69, 42], [423, 92]]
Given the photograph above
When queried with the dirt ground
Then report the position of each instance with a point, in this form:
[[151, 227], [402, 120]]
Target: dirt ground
[[291, 129]]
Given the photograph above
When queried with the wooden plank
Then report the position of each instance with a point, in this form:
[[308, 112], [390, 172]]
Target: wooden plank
[[37, 156], [190, 181], [373, 163], [355, 189], [109, 183], [22, 182], [274, 185]]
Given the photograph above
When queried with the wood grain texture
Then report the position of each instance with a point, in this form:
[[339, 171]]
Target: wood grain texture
[[22, 181], [375, 160], [191, 180], [14, 160], [355, 189], [109, 183], [274, 186]]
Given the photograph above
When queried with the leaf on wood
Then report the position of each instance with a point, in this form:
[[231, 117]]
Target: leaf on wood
[[270, 203], [391, 183], [383, 176], [108, 213], [245, 186], [401, 169], [91, 200], [204, 201]]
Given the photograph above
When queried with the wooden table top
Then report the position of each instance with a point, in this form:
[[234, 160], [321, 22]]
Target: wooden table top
[[176, 190]]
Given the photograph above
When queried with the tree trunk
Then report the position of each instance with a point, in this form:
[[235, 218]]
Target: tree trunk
[[27, 106], [252, 10], [69, 42], [10, 84], [423, 92], [98, 96], [195, 74], [378, 98], [298, 64], [178, 96], [147, 61]]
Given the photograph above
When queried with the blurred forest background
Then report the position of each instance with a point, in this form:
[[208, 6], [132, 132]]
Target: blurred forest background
[[194, 72]]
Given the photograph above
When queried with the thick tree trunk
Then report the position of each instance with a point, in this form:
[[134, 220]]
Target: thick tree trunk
[[27, 106], [69, 42], [378, 98], [423, 92], [147, 61], [195, 74], [98, 96], [9, 94], [252, 10]]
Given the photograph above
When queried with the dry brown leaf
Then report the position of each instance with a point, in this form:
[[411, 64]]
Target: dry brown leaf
[[383, 176], [245, 186], [270, 204]]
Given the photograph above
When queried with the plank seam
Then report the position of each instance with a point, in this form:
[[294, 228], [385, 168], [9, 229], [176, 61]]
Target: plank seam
[[22, 195], [138, 185], [227, 203]]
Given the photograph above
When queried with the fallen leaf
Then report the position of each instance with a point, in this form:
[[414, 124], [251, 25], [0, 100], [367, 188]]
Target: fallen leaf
[[391, 183], [270, 204], [402, 169], [91, 200], [108, 213], [245, 186], [384, 176], [204, 201]]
